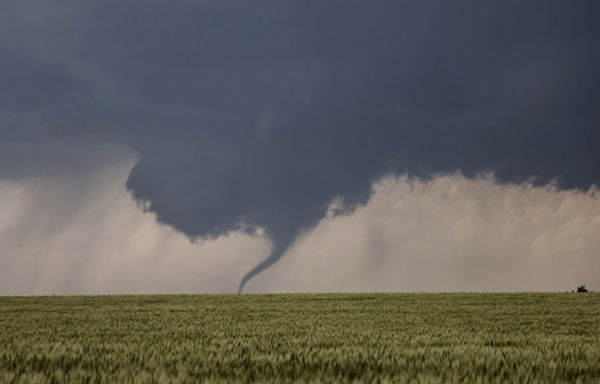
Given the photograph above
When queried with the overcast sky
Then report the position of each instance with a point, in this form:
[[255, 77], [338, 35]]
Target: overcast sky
[[298, 146]]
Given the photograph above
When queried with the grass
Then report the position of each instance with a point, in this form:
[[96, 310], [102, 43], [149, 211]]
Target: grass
[[301, 338]]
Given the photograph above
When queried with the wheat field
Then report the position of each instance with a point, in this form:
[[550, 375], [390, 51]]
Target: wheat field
[[422, 338]]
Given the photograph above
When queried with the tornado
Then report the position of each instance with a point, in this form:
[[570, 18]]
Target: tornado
[[281, 242]]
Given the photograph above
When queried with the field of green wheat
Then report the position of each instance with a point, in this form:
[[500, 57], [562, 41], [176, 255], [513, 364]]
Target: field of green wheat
[[301, 338]]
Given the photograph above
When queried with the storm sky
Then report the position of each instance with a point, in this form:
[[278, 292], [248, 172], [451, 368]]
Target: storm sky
[[197, 146]]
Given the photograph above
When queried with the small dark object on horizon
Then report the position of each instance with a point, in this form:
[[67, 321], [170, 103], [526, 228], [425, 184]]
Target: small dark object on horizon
[[581, 289]]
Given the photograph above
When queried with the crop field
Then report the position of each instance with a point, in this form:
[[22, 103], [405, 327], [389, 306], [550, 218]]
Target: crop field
[[301, 338]]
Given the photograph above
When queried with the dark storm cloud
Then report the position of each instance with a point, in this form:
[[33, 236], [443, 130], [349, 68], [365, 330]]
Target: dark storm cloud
[[31, 92], [260, 113]]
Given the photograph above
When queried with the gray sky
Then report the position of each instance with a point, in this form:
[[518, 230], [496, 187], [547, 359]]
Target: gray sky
[[249, 119]]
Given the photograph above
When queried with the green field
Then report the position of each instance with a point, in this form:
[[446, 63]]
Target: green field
[[283, 338]]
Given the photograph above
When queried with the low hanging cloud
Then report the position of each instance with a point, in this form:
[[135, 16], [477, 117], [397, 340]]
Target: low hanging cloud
[[82, 233], [257, 116]]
